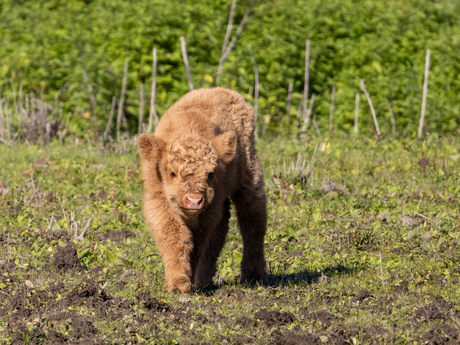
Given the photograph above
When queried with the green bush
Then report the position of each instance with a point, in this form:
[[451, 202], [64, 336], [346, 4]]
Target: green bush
[[46, 44]]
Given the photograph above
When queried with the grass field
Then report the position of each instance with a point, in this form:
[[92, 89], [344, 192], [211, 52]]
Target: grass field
[[363, 250]]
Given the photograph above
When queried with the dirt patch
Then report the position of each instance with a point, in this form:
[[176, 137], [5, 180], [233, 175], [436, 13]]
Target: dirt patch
[[374, 333], [431, 312], [296, 339], [361, 296], [151, 303], [439, 279], [57, 322], [233, 293], [321, 317], [240, 340], [403, 287], [246, 322], [128, 273], [102, 195], [18, 306], [66, 258], [201, 319], [272, 318], [442, 304], [441, 334], [83, 327], [116, 236], [87, 293], [7, 266]]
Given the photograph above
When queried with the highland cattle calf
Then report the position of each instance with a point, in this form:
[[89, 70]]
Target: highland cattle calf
[[201, 157]]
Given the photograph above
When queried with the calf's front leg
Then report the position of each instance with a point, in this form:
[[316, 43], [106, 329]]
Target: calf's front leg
[[174, 240]]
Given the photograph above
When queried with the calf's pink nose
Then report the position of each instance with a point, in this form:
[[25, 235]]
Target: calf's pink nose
[[194, 202]]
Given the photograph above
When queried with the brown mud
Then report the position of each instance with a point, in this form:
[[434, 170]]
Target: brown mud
[[32, 314]]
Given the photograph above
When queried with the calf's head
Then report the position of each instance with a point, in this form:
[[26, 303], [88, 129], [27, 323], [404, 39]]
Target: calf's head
[[188, 168]]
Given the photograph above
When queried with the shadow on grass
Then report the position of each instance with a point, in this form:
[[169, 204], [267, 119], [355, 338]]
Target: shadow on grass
[[307, 277], [282, 280]]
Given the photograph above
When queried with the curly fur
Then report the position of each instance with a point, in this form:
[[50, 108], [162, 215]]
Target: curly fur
[[201, 156]]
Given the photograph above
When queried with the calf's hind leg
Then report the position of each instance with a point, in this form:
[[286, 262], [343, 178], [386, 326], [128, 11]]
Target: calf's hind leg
[[251, 210], [216, 240]]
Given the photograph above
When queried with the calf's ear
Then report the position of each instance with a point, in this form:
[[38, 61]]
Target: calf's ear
[[151, 147], [225, 144]]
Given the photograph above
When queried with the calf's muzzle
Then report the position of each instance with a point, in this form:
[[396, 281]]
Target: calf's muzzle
[[193, 202]]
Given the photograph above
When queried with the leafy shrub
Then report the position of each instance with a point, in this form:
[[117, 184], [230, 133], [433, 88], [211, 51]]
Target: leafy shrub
[[46, 44]]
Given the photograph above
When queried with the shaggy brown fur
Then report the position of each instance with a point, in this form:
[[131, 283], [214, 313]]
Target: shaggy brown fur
[[201, 155]]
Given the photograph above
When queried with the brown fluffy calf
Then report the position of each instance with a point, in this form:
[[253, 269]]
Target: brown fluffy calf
[[201, 155]]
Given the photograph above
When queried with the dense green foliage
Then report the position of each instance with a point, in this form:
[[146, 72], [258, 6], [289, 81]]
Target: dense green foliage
[[48, 43], [322, 249]]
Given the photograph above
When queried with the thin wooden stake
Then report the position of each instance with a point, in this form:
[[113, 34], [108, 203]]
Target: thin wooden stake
[[356, 114], [306, 79], [122, 98], [235, 37], [21, 107], [406, 129], [2, 117], [425, 91], [363, 88], [141, 109], [289, 99], [256, 78], [392, 117], [26, 110], [381, 270], [8, 120], [125, 122], [331, 114], [299, 111], [306, 120], [15, 103], [187, 66], [153, 113], [226, 39], [315, 126], [89, 87], [2, 121]]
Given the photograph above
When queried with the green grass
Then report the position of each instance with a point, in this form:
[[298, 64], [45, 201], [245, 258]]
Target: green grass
[[322, 249]]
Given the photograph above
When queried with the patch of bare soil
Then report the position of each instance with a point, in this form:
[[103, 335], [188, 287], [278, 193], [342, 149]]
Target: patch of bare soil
[[66, 258], [274, 317], [295, 339], [441, 334], [240, 340], [246, 322], [47, 316], [361, 296], [430, 312], [101, 195], [403, 287], [83, 327], [152, 303], [322, 317], [439, 309]]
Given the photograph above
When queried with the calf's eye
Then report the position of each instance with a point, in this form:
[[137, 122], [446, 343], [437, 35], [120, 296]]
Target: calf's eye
[[173, 174]]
